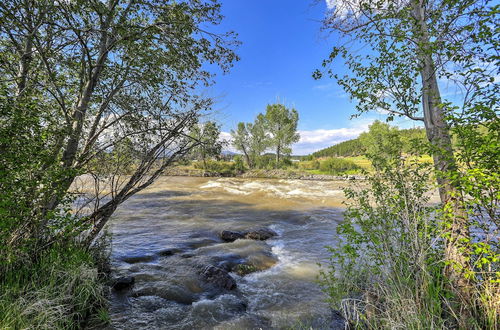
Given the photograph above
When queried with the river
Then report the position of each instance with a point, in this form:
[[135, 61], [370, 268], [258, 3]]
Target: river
[[166, 234]]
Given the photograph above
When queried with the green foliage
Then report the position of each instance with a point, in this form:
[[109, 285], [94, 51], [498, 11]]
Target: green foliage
[[250, 139], [342, 149], [218, 167], [207, 140], [382, 144], [385, 268], [354, 147], [122, 160], [338, 166], [30, 176], [61, 290], [281, 123], [239, 165], [276, 129], [309, 165], [477, 139], [92, 88]]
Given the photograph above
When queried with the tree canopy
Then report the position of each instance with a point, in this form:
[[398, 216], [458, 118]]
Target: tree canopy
[[281, 123], [102, 73]]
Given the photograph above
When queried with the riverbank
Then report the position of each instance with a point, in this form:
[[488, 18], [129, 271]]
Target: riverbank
[[64, 288], [291, 174]]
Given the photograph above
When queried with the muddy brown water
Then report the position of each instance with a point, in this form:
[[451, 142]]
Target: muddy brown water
[[167, 233]]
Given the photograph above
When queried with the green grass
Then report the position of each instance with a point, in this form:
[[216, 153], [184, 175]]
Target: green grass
[[61, 290], [361, 161]]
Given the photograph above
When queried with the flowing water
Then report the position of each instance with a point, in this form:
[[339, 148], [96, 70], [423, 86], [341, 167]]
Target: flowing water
[[166, 234]]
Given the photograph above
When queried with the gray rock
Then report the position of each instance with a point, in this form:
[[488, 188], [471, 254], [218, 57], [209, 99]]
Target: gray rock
[[218, 277], [123, 283], [260, 234], [230, 236]]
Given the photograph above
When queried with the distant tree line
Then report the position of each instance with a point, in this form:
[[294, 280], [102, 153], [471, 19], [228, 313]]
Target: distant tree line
[[356, 147]]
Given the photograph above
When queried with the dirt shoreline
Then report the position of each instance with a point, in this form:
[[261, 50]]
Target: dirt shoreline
[[264, 174]]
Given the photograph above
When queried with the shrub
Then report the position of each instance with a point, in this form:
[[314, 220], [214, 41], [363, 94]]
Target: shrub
[[239, 164], [309, 165], [386, 270], [220, 167]]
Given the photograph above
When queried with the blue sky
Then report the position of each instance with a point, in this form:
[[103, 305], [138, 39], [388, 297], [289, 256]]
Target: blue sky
[[281, 46]]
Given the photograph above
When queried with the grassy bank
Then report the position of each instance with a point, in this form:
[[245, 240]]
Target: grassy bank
[[331, 166], [62, 289]]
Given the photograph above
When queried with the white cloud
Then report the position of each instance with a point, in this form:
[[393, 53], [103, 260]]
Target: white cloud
[[313, 140]]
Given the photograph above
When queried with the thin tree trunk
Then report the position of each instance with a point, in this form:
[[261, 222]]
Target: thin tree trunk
[[247, 157], [278, 156], [438, 135], [24, 64]]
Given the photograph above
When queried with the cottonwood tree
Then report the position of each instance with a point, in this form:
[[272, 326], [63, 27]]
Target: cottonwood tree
[[397, 52], [241, 141], [104, 72], [281, 123], [252, 139], [207, 136], [259, 140]]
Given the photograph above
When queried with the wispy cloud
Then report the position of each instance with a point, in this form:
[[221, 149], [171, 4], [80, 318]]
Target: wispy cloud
[[325, 87]]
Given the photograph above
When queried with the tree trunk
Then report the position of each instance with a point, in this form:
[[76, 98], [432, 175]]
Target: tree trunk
[[277, 156], [247, 157], [438, 135]]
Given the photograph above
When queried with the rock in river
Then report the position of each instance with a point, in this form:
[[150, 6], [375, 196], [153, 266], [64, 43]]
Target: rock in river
[[219, 277], [230, 236], [260, 234], [122, 283]]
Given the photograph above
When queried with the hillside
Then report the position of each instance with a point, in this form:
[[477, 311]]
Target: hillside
[[353, 148], [347, 148]]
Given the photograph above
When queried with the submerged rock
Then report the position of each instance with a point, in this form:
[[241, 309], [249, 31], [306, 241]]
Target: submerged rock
[[169, 252], [200, 243], [123, 283], [218, 277], [260, 234], [230, 236], [137, 259], [168, 291]]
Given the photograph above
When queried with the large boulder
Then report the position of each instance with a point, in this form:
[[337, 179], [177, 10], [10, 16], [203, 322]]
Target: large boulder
[[260, 234], [218, 277], [230, 236]]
